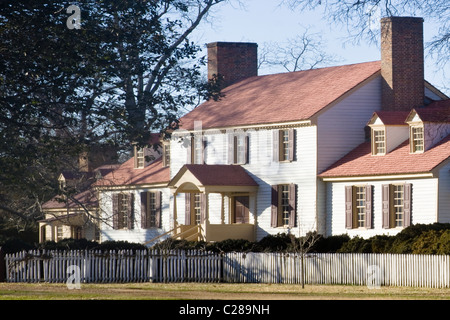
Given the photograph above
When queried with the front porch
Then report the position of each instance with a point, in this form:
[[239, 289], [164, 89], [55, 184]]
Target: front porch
[[219, 203]]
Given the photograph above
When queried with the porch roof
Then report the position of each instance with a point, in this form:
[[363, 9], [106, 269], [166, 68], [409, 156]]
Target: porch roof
[[212, 178], [72, 219]]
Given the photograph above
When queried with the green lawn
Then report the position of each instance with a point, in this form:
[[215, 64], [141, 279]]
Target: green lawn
[[214, 291]]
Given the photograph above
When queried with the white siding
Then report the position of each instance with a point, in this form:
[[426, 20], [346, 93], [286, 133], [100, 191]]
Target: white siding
[[444, 194], [341, 128], [265, 172], [423, 207], [395, 135], [137, 234], [301, 172]]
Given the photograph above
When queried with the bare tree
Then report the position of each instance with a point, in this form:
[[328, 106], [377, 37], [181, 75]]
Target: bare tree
[[360, 16], [302, 52]]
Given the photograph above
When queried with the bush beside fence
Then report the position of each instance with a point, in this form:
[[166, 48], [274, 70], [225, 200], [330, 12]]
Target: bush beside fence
[[201, 266]]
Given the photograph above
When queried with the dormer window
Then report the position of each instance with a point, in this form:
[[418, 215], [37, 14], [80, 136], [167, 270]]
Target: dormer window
[[166, 154], [417, 139], [378, 142], [139, 161]]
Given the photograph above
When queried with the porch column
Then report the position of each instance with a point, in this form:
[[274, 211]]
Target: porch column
[[206, 207], [222, 209], [175, 210]]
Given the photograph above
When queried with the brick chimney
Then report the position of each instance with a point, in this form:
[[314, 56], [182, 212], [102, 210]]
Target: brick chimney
[[235, 61], [402, 63]]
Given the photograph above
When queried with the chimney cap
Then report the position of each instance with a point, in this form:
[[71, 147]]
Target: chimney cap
[[231, 44], [398, 18]]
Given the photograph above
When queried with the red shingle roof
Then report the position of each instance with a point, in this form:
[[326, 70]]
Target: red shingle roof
[[87, 198], [392, 117], [127, 175], [221, 175], [280, 97], [361, 162], [437, 111]]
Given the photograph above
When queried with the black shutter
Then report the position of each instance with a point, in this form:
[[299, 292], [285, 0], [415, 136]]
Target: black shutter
[[369, 207], [276, 145], [386, 207], [274, 207], [246, 149], [407, 204], [292, 205], [291, 137], [349, 207], [158, 197], [130, 210], [231, 148], [115, 210], [144, 210]]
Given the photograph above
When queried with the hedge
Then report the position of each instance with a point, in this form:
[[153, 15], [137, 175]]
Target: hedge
[[416, 239]]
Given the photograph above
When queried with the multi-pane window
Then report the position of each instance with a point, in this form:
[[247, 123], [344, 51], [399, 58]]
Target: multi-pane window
[[285, 206], [166, 154], [360, 206], [59, 233], [123, 210], [379, 142], [417, 139], [150, 209], [140, 157], [196, 150], [398, 205], [241, 149], [284, 145], [197, 206]]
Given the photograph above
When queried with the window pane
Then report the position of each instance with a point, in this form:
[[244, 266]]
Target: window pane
[[240, 149], [285, 208], [123, 210], [197, 208], [152, 209], [379, 142], [398, 205], [361, 206], [198, 150], [140, 157]]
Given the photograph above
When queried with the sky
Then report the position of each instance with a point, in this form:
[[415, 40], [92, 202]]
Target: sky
[[264, 21]]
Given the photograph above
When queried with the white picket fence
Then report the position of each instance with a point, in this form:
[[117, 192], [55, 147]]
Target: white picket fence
[[431, 271], [114, 266]]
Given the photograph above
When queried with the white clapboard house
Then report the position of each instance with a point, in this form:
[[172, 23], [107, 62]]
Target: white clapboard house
[[361, 149]]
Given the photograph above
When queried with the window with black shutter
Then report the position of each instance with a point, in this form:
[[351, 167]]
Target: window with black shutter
[[358, 206], [123, 211], [396, 205], [284, 145], [151, 209], [195, 211], [284, 206], [238, 148]]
